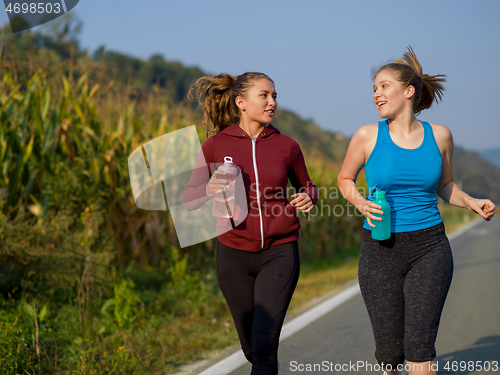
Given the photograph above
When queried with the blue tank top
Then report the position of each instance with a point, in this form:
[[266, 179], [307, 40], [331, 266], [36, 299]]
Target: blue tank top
[[409, 177]]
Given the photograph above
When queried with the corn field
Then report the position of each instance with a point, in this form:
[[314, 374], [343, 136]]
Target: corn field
[[89, 130]]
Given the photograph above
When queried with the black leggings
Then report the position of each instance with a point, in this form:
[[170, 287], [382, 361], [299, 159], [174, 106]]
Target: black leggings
[[404, 282], [258, 288]]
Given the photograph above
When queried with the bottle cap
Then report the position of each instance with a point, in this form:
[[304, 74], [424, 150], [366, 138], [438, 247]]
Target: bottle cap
[[379, 194], [228, 166]]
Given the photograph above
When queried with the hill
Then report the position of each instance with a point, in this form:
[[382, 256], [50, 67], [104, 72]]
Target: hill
[[312, 139], [492, 155], [477, 176]]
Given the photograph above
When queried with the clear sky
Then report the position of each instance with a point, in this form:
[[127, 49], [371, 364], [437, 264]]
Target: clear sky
[[320, 53]]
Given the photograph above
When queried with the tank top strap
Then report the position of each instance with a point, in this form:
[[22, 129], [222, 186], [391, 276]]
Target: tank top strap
[[429, 138], [383, 131], [427, 129], [383, 139]]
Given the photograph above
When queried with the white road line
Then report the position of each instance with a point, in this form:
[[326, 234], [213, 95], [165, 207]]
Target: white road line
[[227, 365], [318, 311], [465, 228], [238, 359]]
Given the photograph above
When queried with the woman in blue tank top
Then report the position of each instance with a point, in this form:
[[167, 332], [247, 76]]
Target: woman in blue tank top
[[404, 280]]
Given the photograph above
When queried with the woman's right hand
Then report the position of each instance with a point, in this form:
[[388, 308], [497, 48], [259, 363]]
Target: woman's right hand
[[219, 181], [368, 209]]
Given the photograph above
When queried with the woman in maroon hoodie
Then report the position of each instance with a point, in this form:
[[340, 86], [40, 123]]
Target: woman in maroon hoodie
[[258, 260]]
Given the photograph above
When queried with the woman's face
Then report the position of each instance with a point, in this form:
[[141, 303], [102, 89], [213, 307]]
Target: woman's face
[[389, 95], [259, 104]]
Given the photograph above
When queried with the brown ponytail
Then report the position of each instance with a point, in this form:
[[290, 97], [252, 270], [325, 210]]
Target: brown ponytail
[[408, 72], [217, 95]]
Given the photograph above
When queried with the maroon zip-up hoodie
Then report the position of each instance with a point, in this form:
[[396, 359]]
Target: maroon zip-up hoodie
[[275, 158]]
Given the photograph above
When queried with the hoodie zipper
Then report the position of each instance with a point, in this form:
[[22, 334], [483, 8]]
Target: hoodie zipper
[[254, 141]]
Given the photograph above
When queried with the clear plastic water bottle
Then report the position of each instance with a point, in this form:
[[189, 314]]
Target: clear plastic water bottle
[[224, 200], [382, 230]]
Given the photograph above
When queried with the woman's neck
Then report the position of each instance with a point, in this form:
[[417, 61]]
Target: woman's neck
[[404, 123], [253, 129]]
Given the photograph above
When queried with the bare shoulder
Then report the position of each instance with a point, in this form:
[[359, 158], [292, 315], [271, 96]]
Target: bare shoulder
[[363, 141], [366, 132], [441, 133], [443, 138]]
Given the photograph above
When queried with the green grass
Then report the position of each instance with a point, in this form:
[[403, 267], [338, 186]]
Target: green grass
[[455, 217]]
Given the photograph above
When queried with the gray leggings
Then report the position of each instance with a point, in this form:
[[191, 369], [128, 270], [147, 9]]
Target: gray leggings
[[404, 282]]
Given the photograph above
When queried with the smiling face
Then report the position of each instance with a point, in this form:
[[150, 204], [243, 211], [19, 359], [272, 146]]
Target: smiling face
[[259, 103], [390, 96]]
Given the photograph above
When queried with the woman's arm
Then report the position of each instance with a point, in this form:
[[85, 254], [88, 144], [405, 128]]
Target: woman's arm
[[195, 194], [307, 195], [203, 184], [361, 145], [447, 189]]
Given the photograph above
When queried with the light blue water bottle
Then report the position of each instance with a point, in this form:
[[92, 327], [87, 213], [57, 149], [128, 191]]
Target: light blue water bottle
[[382, 231]]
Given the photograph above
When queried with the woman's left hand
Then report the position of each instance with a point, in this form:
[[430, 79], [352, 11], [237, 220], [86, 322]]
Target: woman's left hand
[[483, 207], [302, 201]]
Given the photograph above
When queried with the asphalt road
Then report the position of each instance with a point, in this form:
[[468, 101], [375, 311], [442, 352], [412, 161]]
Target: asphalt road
[[341, 341]]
